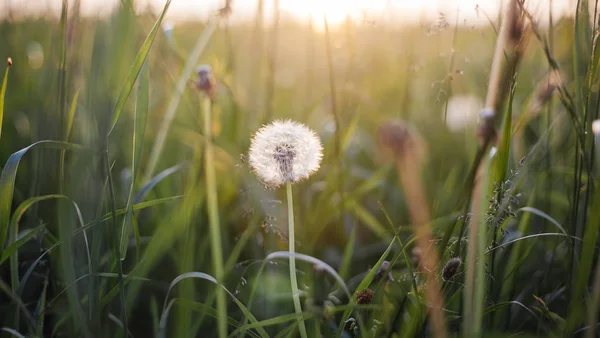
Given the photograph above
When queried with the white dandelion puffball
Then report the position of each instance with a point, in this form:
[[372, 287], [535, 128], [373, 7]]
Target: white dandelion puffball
[[284, 151]]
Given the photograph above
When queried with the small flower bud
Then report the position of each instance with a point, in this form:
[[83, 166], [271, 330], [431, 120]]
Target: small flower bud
[[9, 61], [206, 81]]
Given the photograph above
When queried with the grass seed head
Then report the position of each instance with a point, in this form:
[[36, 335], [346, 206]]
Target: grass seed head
[[285, 151], [451, 268], [364, 297]]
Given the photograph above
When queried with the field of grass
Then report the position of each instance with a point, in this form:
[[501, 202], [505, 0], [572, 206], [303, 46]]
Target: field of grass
[[457, 195]]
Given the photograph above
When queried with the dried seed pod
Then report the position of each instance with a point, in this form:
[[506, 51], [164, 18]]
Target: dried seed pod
[[451, 268]]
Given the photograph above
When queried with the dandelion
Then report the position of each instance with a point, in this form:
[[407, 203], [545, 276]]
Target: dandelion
[[285, 152], [596, 128]]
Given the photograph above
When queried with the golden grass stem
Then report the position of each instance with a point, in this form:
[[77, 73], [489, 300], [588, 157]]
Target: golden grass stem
[[410, 178]]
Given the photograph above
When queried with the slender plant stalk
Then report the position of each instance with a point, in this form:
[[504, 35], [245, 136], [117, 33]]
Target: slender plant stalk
[[213, 215], [292, 245]]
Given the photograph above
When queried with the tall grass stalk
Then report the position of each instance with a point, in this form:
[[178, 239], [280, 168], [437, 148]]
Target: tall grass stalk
[[292, 250], [509, 45], [213, 214]]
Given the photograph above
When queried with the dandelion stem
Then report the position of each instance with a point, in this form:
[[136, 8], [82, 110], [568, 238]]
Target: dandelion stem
[[292, 244], [213, 215]]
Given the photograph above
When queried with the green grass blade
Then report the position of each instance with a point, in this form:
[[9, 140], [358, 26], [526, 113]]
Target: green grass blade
[[205, 276], [315, 261], [347, 257], [12, 332], [139, 129], [12, 248], [544, 215], [272, 321], [136, 68], [9, 174], [71, 116], [3, 94], [362, 286], [503, 155]]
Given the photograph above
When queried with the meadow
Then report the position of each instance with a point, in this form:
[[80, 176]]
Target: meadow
[[456, 194]]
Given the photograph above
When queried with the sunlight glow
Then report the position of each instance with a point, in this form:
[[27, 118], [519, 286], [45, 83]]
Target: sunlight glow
[[336, 11]]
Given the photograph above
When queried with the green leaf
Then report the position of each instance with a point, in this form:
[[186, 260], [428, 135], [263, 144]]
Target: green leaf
[[136, 68]]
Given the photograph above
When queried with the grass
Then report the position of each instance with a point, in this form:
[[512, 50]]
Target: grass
[[105, 211]]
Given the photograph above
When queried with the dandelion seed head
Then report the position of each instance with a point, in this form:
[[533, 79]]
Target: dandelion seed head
[[596, 127], [284, 151]]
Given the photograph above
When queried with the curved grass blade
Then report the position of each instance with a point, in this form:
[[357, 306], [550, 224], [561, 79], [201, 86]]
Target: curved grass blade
[[530, 237], [544, 215], [119, 323], [9, 174], [508, 304], [12, 332], [136, 68], [155, 180], [206, 309], [209, 278], [12, 248], [273, 321], [139, 129], [310, 259]]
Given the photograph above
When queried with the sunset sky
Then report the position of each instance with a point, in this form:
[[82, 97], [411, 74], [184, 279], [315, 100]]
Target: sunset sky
[[336, 10]]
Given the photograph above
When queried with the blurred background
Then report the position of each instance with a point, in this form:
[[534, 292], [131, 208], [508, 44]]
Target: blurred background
[[425, 62]]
